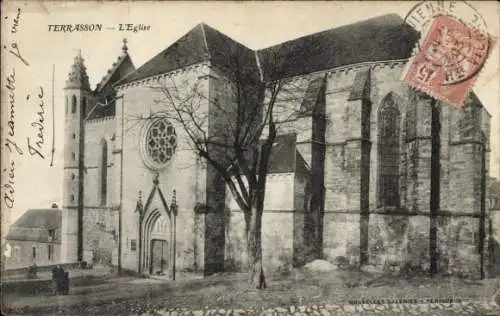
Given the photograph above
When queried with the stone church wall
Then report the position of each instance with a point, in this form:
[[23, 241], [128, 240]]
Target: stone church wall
[[341, 237], [100, 235], [95, 132], [394, 239], [277, 228], [397, 241], [458, 240], [100, 218], [341, 233], [139, 104]]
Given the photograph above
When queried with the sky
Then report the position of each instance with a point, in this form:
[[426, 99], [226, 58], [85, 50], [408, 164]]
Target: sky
[[37, 184]]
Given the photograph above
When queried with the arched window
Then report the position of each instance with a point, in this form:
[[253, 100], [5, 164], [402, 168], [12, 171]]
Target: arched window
[[104, 172], [66, 105], [388, 152], [73, 104], [160, 143]]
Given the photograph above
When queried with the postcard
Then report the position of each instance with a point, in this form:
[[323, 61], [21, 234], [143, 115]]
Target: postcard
[[250, 158]]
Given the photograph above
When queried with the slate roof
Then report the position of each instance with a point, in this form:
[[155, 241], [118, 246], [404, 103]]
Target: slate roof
[[200, 44], [282, 158], [370, 40], [104, 91], [34, 225], [120, 69], [102, 111]]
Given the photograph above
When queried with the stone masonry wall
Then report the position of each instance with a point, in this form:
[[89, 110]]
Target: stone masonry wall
[[341, 238], [277, 228], [398, 242], [179, 174], [458, 245], [100, 235], [398, 237]]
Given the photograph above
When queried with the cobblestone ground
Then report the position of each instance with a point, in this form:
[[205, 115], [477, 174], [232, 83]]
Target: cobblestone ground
[[463, 308]]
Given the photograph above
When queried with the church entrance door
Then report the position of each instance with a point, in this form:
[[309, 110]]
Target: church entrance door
[[159, 257]]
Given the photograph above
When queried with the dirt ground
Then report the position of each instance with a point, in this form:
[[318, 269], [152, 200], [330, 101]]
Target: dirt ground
[[111, 295]]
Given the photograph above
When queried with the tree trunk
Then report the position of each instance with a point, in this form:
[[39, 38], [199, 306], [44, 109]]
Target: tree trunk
[[258, 193], [256, 276]]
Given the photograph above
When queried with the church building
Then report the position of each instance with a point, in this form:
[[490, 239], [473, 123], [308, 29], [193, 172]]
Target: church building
[[374, 173]]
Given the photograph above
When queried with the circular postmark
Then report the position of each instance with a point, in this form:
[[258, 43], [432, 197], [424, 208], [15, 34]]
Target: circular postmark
[[423, 13]]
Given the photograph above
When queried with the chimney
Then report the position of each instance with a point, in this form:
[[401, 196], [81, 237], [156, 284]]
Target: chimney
[[54, 205]]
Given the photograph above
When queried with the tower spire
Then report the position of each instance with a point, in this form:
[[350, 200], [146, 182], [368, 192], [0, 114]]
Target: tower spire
[[78, 78]]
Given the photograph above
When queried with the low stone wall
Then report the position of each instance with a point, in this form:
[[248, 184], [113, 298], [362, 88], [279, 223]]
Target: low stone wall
[[27, 287], [24, 271]]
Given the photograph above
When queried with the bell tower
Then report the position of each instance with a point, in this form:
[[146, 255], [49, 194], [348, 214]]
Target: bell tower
[[77, 94]]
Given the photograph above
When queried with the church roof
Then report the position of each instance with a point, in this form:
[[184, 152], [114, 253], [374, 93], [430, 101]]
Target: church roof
[[200, 44], [122, 67], [284, 157], [34, 225], [284, 154], [99, 111], [370, 40], [105, 105], [78, 78]]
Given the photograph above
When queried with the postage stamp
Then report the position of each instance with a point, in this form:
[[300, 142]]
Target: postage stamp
[[449, 60]]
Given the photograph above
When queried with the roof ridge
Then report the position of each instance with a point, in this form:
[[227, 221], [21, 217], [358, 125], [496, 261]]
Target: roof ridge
[[105, 79], [257, 60], [205, 41]]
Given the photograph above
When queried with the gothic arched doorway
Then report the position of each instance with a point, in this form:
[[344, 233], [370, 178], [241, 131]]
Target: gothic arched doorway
[[155, 243]]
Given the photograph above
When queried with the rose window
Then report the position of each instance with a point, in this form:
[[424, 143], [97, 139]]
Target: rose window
[[161, 142]]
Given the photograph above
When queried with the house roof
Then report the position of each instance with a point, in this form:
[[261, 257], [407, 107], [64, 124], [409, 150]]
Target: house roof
[[369, 40], [34, 225], [201, 43]]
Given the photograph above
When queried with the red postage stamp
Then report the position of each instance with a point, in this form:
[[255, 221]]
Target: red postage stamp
[[449, 61]]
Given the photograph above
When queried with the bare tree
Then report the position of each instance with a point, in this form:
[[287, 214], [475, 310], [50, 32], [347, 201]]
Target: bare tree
[[236, 139], [233, 127], [234, 130]]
